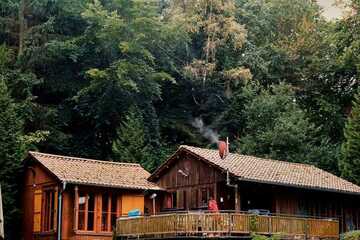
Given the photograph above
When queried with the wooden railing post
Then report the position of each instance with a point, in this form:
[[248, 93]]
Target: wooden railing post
[[229, 222], [306, 229], [270, 224]]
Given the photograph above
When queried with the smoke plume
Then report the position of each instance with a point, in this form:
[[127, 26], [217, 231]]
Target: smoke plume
[[205, 131]]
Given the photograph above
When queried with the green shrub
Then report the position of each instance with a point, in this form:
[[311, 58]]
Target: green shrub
[[253, 224], [262, 237], [353, 235]]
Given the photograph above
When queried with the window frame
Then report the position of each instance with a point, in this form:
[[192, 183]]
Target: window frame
[[102, 212], [86, 211], [98, 210], [108, 211], [49, 211], [52, 218]]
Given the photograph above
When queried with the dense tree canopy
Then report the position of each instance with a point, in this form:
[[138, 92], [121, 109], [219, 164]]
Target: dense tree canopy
[[125, 80], [350, 160]]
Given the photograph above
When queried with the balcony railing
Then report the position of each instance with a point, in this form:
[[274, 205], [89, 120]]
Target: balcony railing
[[203, 224]]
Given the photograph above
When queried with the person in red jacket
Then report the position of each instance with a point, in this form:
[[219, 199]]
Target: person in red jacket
[[213, 208], [212, 205]]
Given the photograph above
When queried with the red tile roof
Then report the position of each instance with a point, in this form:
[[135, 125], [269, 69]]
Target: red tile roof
[[94, 172], [254, 169]]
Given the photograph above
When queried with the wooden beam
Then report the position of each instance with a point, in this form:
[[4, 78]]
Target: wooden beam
[[86, 211], [237, 199], [76, 205], [109, 213], [56, 207]]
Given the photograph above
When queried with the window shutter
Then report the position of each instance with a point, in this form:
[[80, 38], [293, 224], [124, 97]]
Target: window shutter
[[37, 210]]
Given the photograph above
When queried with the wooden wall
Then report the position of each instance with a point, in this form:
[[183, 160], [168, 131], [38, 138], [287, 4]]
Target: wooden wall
[[37, 178], [190, 179], [277, 199], [125, 199], [302, 202]]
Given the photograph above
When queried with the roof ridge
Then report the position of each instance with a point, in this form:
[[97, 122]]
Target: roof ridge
[[260, 158], [84, 159]]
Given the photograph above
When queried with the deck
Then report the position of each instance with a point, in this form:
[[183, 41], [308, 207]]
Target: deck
[[229, 224]]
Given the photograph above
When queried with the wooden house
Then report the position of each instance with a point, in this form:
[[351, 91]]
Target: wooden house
[[75, 198], [244, 183]]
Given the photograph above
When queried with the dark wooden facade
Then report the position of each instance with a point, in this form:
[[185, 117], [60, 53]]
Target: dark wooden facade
[[88, 212], [190, 182]]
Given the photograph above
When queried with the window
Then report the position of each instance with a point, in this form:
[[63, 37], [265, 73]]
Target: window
[[49, 210], [194, 198], [113, 210], [109, 212], [86, 211], [90, 205], [105, 213], [206, 193], [174, 198]]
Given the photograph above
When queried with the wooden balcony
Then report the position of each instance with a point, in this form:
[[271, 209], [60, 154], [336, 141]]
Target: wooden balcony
[[227, 224]]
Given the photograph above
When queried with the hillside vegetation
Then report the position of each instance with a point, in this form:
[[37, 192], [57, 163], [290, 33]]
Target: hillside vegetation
[[131, 80]]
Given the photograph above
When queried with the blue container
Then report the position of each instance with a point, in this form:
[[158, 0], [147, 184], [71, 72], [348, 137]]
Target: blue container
[[134, 213]]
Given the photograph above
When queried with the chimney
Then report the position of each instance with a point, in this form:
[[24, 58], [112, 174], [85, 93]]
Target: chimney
[[223, 148]]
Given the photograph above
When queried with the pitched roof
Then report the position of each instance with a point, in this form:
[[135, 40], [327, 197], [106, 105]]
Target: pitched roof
[[94, 172], [254, 169]]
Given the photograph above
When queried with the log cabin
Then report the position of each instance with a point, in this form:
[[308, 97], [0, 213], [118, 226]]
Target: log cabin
[[246, 184], [76, 198]]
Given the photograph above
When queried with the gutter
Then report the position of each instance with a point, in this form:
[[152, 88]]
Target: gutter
[[59, 222]]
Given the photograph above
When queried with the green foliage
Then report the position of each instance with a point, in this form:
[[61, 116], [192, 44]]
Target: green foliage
[[277, 128], [254, 222], [11, 153], [130, 145], [353, 235], [350, 161], [272, 75], [262, 237]]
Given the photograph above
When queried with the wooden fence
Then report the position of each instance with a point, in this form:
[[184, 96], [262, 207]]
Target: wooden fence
[[225, 224]]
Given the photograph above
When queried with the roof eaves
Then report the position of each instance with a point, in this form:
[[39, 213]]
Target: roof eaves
[[298, 186], [154, 175], [112, 185], [273, 182], [59, 178], [32, 153]]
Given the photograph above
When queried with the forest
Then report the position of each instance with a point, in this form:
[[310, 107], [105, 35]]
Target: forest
[[131, 80]]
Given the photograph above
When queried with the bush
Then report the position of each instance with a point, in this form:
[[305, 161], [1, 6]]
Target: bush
[[353, 235], [262, 237]]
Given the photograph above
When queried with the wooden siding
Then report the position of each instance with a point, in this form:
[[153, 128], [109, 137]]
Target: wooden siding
[[37, 180], [186, 176], [131, 202]]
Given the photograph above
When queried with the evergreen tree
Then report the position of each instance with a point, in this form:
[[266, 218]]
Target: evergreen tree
[[131, 146], [10, 156], [276, 127], [350, 160]]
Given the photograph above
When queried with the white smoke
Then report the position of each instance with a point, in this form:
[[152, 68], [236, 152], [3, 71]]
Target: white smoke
[[205, 131]]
